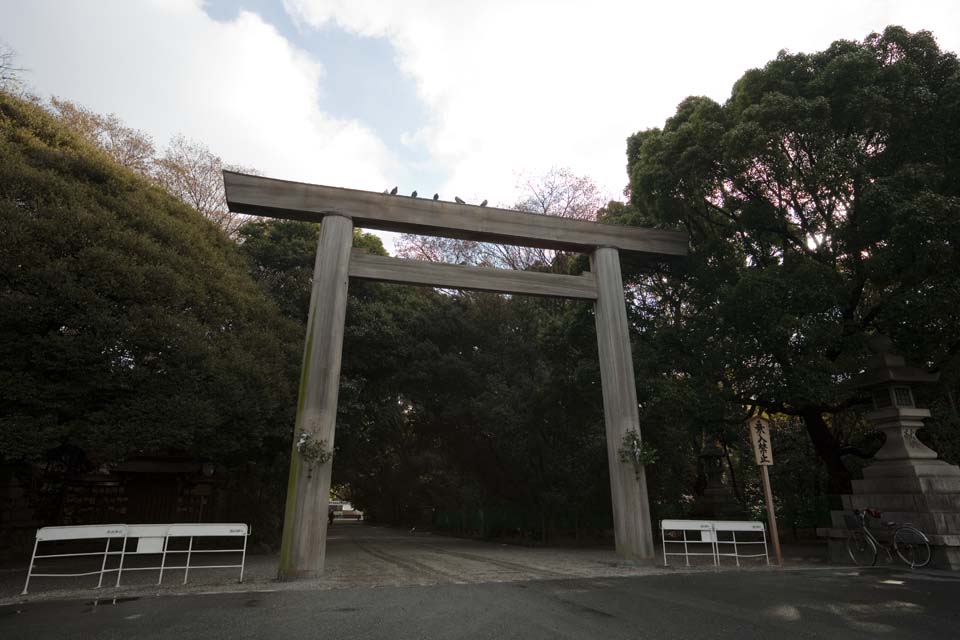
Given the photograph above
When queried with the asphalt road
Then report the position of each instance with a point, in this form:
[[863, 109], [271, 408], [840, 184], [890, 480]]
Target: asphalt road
[[387, 583], [812, 603]]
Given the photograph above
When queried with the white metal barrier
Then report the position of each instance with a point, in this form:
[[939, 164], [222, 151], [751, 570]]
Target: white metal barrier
[[703, 527], [192, 531], [713, 532], [106, 532], [732, 527], [151, 539]]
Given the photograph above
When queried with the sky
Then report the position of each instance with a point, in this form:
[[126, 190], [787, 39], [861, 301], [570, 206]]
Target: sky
[[449, 96]]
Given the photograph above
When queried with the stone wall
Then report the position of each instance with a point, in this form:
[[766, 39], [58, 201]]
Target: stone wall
[[18, 521], [100, 498]]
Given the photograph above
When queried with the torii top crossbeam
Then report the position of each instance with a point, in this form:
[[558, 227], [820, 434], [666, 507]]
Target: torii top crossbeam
[[369, 210]]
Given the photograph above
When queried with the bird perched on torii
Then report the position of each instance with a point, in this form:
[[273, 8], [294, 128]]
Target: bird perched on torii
[[436, 196]]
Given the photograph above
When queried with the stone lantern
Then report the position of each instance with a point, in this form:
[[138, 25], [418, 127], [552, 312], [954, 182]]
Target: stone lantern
[[906, 481], [717, 501], [890, 383]]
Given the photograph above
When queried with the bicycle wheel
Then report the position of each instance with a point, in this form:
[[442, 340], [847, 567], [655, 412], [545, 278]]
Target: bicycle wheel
[[862, 549], [912, 546]]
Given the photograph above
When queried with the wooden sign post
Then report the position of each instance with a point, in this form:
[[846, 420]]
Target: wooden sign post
[[763, 454]]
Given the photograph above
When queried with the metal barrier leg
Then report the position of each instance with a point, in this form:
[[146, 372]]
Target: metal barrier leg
[[686, 551], [186, 569], [123, 554], [736, 553], [163, 558], [716, 547], [765, 552], [33, 556], [243, 556], [103, 566], [663, 542]]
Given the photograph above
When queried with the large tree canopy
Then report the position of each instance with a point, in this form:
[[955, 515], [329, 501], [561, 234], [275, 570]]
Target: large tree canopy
[[128, 322], [823, 204]]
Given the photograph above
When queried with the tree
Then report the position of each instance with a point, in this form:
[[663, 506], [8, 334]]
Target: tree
[[9, 78], [558, 192], [462, 403], [282, 254], [823, 204], [128, 323], [127, 146], [187, 169], [191, 172]]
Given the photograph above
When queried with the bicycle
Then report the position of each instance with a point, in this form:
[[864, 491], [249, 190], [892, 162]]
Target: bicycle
[[909, 543]]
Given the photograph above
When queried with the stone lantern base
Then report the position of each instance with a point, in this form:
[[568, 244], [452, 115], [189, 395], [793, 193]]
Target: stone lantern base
[[907, 484], [930, 501]]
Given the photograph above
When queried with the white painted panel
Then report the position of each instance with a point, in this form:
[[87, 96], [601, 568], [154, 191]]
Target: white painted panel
[[686, 525], [737, 525], [147, 530], [199, 530], [82, 532], [148, 545]]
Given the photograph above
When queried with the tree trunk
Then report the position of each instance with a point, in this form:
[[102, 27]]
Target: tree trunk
[[733, 476], [953, 404], [828, 449]]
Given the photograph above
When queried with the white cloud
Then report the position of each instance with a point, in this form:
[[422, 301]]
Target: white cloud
[[527, 84], [509, 85], [164, 66]]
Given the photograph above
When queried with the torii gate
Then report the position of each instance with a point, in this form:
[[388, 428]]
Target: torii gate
[[338, 210]]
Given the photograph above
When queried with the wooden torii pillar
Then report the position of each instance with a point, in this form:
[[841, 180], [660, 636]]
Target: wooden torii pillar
[[338, 211]]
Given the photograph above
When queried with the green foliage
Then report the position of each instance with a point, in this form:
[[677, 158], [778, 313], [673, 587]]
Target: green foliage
[[823, 204], [454, 402], [313, 451], [633, 451], [282, 256], [487, 401], [128, 323]]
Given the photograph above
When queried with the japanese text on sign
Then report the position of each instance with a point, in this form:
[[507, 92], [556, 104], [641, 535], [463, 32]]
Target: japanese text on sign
[[760, 435]]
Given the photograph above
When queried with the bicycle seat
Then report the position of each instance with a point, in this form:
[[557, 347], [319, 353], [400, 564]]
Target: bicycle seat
[[890, 523]]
